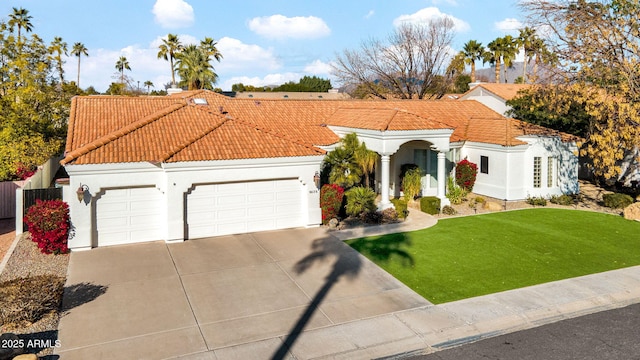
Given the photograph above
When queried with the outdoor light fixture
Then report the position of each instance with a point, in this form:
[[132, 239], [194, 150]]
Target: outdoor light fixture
[[316, 180], [81, 190]]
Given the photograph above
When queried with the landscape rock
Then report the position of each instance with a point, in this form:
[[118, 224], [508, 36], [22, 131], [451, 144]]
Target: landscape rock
[[333, 224], [632, 212], [492, 206], [10, 346]]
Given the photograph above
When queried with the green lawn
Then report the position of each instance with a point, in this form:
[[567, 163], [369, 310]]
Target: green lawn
[[476, 255]]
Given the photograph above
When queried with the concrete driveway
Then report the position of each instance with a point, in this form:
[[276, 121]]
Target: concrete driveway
[[258, 295]]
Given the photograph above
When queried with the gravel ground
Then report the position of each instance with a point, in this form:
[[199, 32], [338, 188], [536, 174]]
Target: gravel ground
[[27, 260]]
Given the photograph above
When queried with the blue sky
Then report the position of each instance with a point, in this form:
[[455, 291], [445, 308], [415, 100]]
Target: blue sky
[[264, 42]]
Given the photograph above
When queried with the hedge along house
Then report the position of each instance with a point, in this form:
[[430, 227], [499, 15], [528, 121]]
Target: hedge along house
[[198, 164]]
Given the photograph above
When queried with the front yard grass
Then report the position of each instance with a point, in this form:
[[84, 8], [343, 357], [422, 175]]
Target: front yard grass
[[476, 255]]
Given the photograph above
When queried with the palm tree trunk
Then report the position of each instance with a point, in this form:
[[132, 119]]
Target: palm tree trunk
[[173, 73], [497, 71], [473, 71], [78, 82]]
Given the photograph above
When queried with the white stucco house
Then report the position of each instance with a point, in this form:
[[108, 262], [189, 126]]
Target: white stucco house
[[493, 95], [198, 164]]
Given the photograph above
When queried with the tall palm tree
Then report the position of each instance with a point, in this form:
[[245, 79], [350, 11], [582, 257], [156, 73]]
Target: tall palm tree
[[169, 49], [195, 69], [121, 65], [21, 19], [494, 56], [78, 50], [208, 45], [472, 51], [56, 49], [509, 51], [149, 85], [526, 39]]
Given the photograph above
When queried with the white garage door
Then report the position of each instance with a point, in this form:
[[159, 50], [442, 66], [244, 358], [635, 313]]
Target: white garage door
[[234, 208], [125, 216]]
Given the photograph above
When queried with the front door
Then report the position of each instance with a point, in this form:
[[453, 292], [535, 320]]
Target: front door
[[427, 160]]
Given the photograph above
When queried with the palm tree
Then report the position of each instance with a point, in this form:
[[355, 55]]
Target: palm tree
[[121, 65], [149, 85], [526, 39], [494, 56], [56, 49], [509, 51], [366, 159], [472, 51], [169, 49], [195, 69], [78, 50], [21, 19], [209, 46]]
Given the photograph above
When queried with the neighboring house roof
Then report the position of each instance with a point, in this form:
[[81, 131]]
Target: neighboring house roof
[[203, 125], [503, 91], [291, 95]]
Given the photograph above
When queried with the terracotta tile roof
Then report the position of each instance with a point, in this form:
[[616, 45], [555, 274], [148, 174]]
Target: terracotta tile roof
[[505, 91], [203, 125]]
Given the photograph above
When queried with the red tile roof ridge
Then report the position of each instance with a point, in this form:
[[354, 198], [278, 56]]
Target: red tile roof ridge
[[103, 140], [70, 125]]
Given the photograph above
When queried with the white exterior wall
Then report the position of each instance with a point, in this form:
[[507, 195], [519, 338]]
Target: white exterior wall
[[174, 180], [488, 99], [510, 174]]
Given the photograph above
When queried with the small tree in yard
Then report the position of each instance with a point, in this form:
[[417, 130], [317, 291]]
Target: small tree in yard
[[48, 223], [466, 173], [412, 183]]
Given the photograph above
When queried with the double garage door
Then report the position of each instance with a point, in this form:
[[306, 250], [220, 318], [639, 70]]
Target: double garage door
[[125, 216]]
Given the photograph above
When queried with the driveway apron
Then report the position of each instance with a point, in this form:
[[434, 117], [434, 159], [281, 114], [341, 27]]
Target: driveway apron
[[273, 294]]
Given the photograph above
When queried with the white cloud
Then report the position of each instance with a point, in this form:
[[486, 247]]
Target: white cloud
[[318, 67], [239, 56], [173, 14], [429, 14], [282, 27], [508, 25], [370, 14]]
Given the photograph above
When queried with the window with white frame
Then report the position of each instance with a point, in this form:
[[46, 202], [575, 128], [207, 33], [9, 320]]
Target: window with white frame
[[537, 172], [550, 172]]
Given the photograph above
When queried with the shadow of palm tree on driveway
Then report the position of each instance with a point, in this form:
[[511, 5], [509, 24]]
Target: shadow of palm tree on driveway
[[348, 264]]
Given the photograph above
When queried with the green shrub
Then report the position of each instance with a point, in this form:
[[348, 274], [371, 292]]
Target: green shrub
[[448, 210], [330, 201], [430, 205], [479, 200], [537, 201], [561, 199], [617, 200], [456, 194], [401, 207], [466, 173], [360, 200], [27, 300], [412, 183]]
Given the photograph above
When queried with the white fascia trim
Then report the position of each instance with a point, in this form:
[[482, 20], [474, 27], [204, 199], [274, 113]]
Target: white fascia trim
[[496, 147], [393, 134], [242, 163], [110, 168]]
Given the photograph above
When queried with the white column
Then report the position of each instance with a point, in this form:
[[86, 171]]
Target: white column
[[442, 178], [384, 192]]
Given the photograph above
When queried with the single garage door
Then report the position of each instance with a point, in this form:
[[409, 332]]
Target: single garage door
[[234, 208], [125, 216]]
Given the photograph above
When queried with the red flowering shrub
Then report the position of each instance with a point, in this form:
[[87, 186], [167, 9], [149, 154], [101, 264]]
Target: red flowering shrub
[[24, 172], [330, 201], [466, 173], [48, 223]]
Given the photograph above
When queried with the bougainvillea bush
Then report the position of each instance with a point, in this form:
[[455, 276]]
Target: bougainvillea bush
[[330, 201], [48, 223], [466, 173]]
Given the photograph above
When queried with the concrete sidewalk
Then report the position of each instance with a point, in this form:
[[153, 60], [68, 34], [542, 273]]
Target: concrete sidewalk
[[294, 294]]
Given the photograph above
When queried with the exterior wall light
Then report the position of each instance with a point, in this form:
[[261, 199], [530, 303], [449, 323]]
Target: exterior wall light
[[316, 180], [81, 190]]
